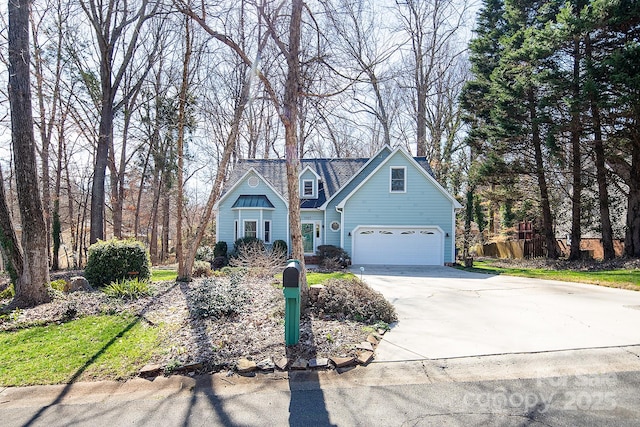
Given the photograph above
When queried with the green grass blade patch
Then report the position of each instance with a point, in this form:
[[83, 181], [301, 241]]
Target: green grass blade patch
[[89, 348], [315, 278]]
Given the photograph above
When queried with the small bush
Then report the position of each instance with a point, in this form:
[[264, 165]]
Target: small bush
[[128, 289], [114, 260], [219, 262], [332, 256], [201, 269], [220, 249], [234, 270], [281, 247], [217, 298], [261, 260], [7, 292], [353, 299], [246, 241], [60, 285], [205, 253]]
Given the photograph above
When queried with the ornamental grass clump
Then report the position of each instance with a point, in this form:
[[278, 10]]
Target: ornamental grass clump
[[350, 298], [130, 289]]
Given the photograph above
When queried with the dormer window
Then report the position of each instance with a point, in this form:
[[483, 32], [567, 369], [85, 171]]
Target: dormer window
[[308, 190]]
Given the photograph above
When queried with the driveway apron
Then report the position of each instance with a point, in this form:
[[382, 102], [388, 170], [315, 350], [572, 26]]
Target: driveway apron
[[446, 313]]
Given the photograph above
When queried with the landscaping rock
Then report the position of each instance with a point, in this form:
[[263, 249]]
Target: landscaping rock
[[191, 367], [381, 331], [266, 365], [342, 362], [321, 362], [282, 363], [300, 364], [365, 345], [372, 339], [79, 283], [364, 357], [150, 370], [245, 365]]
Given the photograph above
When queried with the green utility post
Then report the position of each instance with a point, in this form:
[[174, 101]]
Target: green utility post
[[291, 282]]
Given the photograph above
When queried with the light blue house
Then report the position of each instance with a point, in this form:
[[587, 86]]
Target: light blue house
[[384, 210]]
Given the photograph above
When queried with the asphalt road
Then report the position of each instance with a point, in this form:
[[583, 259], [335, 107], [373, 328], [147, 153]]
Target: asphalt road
[[586, 387], [468, 350]]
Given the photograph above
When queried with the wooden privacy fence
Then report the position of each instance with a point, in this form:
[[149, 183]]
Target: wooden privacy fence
[[536, 248]]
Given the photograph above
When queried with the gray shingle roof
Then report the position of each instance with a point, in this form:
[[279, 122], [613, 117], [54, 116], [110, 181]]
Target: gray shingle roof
[[334, 174]]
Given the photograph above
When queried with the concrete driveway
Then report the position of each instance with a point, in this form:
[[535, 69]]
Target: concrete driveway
[[447, 313]]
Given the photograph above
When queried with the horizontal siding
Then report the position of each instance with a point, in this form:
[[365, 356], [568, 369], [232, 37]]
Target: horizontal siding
[[422, 204], [331, 237], [335, 237], [227, 216]]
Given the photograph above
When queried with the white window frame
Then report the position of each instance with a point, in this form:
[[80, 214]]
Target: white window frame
[[313, 189], [266, 225], [244, 227], [404, 178]]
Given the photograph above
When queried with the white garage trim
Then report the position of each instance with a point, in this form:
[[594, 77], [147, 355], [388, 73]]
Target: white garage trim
[[398, 245]]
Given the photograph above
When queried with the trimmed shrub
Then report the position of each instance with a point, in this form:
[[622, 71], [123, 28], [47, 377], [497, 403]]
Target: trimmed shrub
[[128, 289], [217, 298], [220, 249], [280, 246], [331, 256], [354, 299], [201, 269], [114, 260], [219, 262]]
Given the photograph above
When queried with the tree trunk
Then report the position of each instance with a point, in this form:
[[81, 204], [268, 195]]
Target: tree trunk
[[601, 171], [632, 235], [32, 287], [8, 240], [153, 239], [194, 242], [547, 217], [576, 196], [291, 96], [166, 222], [101, 159], [183, 274]]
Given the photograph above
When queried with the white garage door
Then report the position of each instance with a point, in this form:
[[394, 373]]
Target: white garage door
[[398, 246]]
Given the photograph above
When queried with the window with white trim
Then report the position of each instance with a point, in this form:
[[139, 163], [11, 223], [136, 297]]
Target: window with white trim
[[398, 181], [307, 188], [267, 231], [250, 229]]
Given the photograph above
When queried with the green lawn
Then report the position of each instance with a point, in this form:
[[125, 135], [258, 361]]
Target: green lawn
[[628, 279], [314, 278], [93, 347], [163, 274]]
